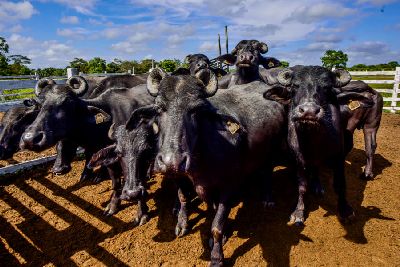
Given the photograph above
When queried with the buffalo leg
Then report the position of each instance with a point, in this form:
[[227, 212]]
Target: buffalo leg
[[370, 147], [315, 183], [115, 200], [182, 226], [86, 173], [339, 183], [66, 152], [142, 215], [266, 176], [297, 217], [217, 231]]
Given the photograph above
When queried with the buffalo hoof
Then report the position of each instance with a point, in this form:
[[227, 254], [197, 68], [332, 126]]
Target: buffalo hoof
[[60, 170], [367, 176], [139, 221], [268, 204], [181, 229], [111, 209], [216, 263], [297, 218], [217, 256], [211, 241], [346, 214]]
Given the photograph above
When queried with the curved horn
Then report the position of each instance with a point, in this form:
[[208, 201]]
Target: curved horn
[[154, 79], [111, 132], [285, 77], [209, 80], [42, 83], [262, 47], [83, 85], [187, 58], [343, 77]]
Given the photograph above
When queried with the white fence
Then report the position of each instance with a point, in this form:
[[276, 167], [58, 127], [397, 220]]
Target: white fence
[[394, 91], [28, 82]]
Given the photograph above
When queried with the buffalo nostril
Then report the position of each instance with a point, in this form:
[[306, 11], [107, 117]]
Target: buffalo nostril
[[38, 138], [159, 160], [251, 57], [301, 110], [241, 57], [185, 163], [317, 110]]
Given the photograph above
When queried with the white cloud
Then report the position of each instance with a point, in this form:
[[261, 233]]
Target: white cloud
[[48, 53], [319, 11], [208, 47], [82, 6], [69, 20], [74, 33], [10, 11]]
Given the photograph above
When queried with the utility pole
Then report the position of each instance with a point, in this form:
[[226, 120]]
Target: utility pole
[[226, 41], [219, 49]]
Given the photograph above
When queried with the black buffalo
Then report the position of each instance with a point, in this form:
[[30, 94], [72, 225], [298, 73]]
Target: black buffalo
[[13, 124], [135, 150], [66, 116], [213, 143], [247, 58], [361, 108], [315, 129]]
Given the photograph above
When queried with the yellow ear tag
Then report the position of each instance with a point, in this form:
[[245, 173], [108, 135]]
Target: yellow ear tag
[[100, 118], [233, 127], [353, 105], [271, 64]]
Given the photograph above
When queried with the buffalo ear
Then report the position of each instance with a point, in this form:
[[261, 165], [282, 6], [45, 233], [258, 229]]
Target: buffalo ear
[[154, 80], [100, 115], [228, 59], [270, 62], [345, 97], [209, 80], [279, 94], [104, 157], [181, 71], [138, 115]]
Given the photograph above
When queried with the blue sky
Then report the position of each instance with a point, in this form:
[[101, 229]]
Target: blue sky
[[53, 32]]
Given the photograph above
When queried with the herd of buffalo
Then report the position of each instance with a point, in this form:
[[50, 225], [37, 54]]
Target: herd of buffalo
[[210, 131]]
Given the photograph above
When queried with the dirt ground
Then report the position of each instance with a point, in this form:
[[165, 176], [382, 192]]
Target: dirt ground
[[52, 220]]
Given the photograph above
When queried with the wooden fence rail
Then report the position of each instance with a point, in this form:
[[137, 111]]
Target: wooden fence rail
[[394, 91]]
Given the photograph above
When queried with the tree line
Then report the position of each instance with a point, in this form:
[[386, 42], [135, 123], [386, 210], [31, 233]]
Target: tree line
[[17, 64]]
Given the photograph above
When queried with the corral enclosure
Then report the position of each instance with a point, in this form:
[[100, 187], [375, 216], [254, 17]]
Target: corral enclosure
[[55, 221]]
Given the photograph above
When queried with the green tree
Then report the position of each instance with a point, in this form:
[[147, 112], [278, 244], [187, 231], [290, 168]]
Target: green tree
[[284, 64], [169, 65], [46, 72], [114, 66], [81, 64], [97, 65], [333, 58]]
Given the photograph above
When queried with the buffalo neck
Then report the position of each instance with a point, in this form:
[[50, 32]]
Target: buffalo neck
[[247, 74]]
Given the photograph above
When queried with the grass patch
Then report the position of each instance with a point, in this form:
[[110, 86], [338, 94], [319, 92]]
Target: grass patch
[[373, 77], [9, 94]]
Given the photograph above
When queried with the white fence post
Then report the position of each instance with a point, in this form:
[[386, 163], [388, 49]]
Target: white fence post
[[395, 90], [133, 70], [72, 72]]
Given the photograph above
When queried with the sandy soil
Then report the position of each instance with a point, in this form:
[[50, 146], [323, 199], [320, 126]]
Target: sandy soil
[[52, 220]]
